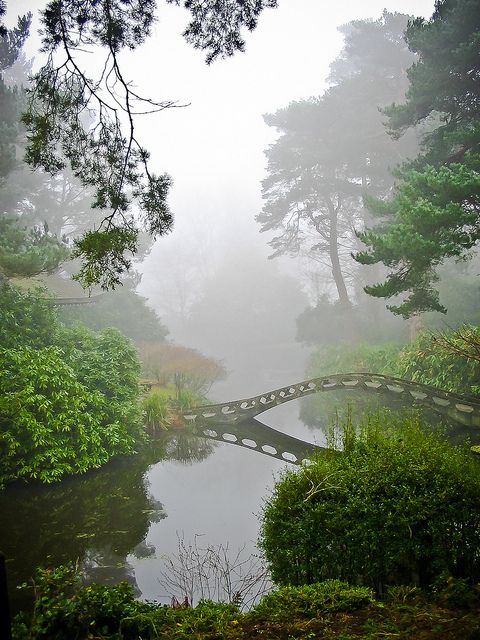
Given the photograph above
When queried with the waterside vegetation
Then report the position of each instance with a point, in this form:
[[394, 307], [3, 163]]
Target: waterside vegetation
[[321, 611], [71, 397]]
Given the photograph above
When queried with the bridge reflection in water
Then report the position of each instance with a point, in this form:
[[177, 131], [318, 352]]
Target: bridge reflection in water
[[253, 434], [234, 422]]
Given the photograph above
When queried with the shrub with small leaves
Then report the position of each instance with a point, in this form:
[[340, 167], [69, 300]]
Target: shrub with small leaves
[[313, 600], [67, 410], [397, 506]]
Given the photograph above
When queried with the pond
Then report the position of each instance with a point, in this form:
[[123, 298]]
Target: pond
[[124, 520]]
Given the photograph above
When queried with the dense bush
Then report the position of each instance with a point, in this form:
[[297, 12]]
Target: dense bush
[[450, 360], [54, 420], [64, 611], [311, 600], [106, 361], [25, 319], [66, 410], [400, 507], [325, 611], [353, 358]]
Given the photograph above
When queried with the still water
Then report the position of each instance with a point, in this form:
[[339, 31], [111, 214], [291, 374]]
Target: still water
[[122, 521]]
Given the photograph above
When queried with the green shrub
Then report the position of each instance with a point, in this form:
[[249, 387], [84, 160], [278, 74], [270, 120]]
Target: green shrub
[[188, 398], [25, 319], [352, 358], [393, 508], [310, 601], [64, 611], [105, 361], [48, 425], [450, 361], [67, 411]]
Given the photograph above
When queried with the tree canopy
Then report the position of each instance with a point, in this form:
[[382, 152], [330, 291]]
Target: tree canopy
[[333, 148], [24, 251], [89, 123], [434, 212]]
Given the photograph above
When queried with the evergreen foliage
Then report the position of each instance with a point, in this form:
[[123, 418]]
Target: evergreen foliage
[[398, 507], [23, 251], [434, 212], [106, 154]]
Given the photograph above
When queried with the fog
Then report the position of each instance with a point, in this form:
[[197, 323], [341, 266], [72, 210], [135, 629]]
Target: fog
[[233, 144], [210, 279], [214, 148]]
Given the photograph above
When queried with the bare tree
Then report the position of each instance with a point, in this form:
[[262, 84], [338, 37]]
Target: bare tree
[[215, 572]]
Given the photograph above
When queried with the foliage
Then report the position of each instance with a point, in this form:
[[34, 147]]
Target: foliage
[[156, 409], [398, 507], [11, 43], [216, 27], [326, 324], [434, 212], [25, 319], [66, 410], [114, 612], [329, 611], [49, 421], [352, 358], [435, 216], [106, 154], [28, 252], [313, 600], [445, 359], [123, 309], [23, 251], [186, 368], [106, 361], [449, 360], [459, 292]]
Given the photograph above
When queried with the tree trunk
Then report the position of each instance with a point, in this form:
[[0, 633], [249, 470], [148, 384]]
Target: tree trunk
[[415, 326], [335, 259]]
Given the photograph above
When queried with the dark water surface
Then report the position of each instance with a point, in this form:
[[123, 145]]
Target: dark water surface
[[124, 520], [121, 521]]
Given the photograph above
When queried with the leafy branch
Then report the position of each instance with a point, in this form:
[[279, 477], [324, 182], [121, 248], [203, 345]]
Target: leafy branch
[[90, 124]]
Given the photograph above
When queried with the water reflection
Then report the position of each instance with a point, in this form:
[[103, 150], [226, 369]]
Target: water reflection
[[122, 521], [96, 520]]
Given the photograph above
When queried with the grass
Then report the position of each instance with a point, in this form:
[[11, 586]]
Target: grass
[[161, 407]]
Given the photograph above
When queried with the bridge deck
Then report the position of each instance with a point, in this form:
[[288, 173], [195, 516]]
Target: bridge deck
[[462, 409]]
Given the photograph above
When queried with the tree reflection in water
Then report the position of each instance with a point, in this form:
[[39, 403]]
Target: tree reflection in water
[[96, 520]]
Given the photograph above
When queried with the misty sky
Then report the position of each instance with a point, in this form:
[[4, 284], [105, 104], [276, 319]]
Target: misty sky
[[214, 147]]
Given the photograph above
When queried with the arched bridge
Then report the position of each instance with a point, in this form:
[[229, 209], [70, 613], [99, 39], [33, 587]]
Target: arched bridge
[[234, 422], [462, 409]]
